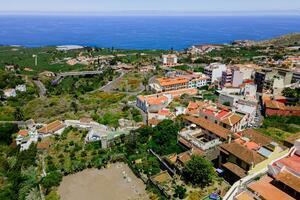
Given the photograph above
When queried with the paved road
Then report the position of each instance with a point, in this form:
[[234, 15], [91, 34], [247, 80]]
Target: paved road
[[41, 87], [111, 85]]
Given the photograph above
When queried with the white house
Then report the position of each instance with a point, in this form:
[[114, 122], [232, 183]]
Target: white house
[[21, 88]]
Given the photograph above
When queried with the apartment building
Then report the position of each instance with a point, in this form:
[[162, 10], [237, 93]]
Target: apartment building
[[214, 72]]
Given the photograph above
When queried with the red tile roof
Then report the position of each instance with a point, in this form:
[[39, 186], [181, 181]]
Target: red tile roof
[[52, 127], [289, 179], [268, 191], [243, 153], [240, 172], [292, 162], [23, 133], [210, 126], [255, 136]]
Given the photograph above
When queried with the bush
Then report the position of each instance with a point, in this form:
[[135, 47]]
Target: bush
[[179, 192], [52, 179]]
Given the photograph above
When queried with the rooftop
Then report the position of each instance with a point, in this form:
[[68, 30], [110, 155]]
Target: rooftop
[[240, 172], [154, 99], [52, 127], [289, 180], [245, 195], [292, 162], [266, 190], [243, 153], [255, 136], [210, 126], [23, 133], [172, 81]]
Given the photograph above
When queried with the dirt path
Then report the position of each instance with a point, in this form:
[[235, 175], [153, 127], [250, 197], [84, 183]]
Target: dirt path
[[113, 183]]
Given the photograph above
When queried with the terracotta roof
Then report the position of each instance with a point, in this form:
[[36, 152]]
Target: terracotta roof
[[185, 142], [164, 112], [255, 136], [172, 81], [184, 157], [43, 145], [292, 162], [232, 119], [249, 144], [52, 127], [289, 180], [154, 99], [235, 169], [23, 133], [172, 158], [210, 126], [244, 196], [153, 122], [274, 105], [243, 153], [178, 93], [267, 191]]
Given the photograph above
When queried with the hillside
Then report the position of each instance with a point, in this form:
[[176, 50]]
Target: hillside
[[285, 40]]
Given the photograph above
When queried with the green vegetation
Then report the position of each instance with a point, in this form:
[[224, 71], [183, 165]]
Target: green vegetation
[[162, 139], [9, 80], [17, 169], [199, 171], [280, 127], [130, 82], [292, 93], [80, 85], [231, 53], [180, 192]]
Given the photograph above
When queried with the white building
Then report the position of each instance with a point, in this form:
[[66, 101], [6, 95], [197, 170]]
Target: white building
[[21, 88], [10, 93], [237, 78], [169, 60], [214, 72]]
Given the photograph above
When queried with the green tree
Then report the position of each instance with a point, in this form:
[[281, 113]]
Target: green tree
[[227, 103], [19, 116], [179, 192], [52, 179], [199, 171], [164, 139]]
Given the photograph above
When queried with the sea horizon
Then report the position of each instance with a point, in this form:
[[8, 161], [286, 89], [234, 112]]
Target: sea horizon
[[141, 32]]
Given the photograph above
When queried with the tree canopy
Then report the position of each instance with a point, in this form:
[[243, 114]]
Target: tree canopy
[[199, 171]]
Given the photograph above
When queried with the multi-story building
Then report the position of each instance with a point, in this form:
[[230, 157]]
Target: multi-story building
[[214, 72], [281, 181], [227, 77], [237, 78], [218, 114], [272, 81], [168, 84], [179, 82], [204, 135], [169, 60], [153, 103], [249, 152]]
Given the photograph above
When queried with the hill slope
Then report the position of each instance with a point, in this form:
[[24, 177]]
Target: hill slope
[[285, 40]]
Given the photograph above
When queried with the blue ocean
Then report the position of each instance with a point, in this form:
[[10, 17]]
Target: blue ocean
[[141, 32]]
